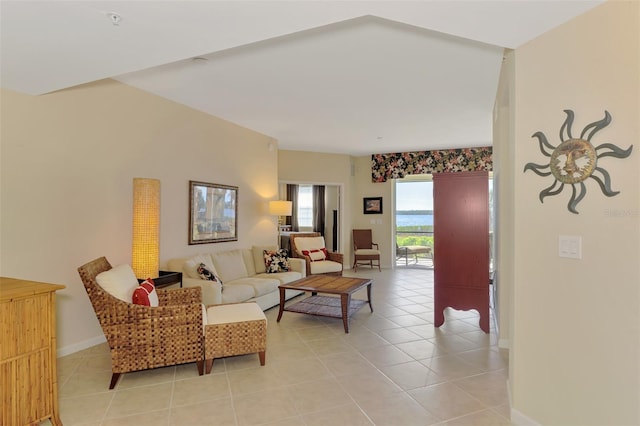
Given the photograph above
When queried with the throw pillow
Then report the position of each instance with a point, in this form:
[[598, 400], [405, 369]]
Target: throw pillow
[[120, 282], [276, 261], [206, 274], [146, 294], [316, 255]]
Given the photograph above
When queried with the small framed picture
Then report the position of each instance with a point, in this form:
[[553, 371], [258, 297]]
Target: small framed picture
[[372, 205]]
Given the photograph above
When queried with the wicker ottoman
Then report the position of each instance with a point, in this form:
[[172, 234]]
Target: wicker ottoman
[[234, 329]]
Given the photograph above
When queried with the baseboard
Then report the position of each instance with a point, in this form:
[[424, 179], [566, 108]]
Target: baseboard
[[68, 350], [519, 419]]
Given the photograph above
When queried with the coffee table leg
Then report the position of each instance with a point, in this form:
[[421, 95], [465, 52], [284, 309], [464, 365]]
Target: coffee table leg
[[345, 300], [369, 296], [281, 304]]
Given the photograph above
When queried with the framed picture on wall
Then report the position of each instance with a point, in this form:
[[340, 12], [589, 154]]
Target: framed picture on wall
[[372, 205], [214, 213]]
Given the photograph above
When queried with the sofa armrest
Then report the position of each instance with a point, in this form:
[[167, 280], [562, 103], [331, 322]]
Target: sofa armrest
[[211, 290], [298, 265]]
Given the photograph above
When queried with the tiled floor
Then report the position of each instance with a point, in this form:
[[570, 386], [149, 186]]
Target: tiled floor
[[393, 368]]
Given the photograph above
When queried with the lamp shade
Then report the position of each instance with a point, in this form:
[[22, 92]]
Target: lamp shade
[[280, 208], [145, 259]]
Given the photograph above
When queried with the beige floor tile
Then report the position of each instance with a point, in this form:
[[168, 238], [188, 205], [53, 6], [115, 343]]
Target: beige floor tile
[[377, 322], [479, 418], [451, 367], [315, 333], [489, 388], [363, 387], [318, 395], [398, 335], [363, 338], [239, 362], [345, 363], [453, 344], [399, 409], [385, 355], [331, 345], [348, 414], [446, 401], [253, 380], [147, 377], [420, 349], [332, 377], [85, 383], [291, 421], [264, 407], [294, 371], [411, 375], [84, 409], [215, 413], [200, 389], [407, 320], [127, 402], [488, 360], [159, 418]]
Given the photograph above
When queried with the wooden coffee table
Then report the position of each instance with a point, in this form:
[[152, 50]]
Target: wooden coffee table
[[327, 306]]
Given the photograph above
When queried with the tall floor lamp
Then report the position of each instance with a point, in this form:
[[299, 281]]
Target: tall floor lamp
[[145, 259]]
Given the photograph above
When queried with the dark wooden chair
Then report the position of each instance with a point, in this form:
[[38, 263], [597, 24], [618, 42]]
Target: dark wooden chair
[[365, 251]]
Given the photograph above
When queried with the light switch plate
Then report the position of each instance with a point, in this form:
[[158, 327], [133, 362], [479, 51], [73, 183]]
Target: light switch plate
[[570, 246]]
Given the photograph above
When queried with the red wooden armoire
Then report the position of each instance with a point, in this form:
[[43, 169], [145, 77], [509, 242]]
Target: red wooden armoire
[[461, 244]]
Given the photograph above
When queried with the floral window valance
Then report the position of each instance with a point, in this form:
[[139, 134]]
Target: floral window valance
[[398, 165]]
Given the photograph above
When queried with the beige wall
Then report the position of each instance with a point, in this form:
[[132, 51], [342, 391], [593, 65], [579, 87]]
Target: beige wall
[[575, 351], [328, 169], [354, 175], [68, 160]]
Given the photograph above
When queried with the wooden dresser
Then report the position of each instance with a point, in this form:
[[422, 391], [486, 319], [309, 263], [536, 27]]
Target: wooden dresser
[[28, 377]]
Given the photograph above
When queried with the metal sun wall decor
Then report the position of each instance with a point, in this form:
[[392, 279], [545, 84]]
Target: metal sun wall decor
[[575, 160]]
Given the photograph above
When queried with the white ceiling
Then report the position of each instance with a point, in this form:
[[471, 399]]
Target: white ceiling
[[353, 77]]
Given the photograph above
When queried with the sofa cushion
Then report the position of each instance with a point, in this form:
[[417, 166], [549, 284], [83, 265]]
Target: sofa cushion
[[283, 277], [309, 243], [119, 281], [235, 293], [276, 261], [191, 266], [261, 286], [258, 257], [324, 266], [146, 294], [229, 265]]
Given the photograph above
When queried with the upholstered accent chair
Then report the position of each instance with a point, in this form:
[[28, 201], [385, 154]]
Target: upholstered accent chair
[[312, 248], [144, 337], [365, 251]]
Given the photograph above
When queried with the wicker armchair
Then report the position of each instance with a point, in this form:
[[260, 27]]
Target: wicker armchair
[[333, 265], [143, 337], [364, 249]]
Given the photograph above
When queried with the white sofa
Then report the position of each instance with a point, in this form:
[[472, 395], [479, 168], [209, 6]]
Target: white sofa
[[243, 275]]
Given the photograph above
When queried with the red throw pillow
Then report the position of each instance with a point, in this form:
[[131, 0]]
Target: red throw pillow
[[316, 255], [146, 294]]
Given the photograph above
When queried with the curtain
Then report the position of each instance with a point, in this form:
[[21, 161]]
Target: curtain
[[398, 165], [292, 195], [318, 209]]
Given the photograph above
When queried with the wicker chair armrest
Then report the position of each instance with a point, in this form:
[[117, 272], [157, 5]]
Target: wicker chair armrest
[[134, 325], [179, 296], [376, 244], [336, 257]]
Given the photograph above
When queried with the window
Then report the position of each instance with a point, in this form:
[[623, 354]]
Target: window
[[305, 206]]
